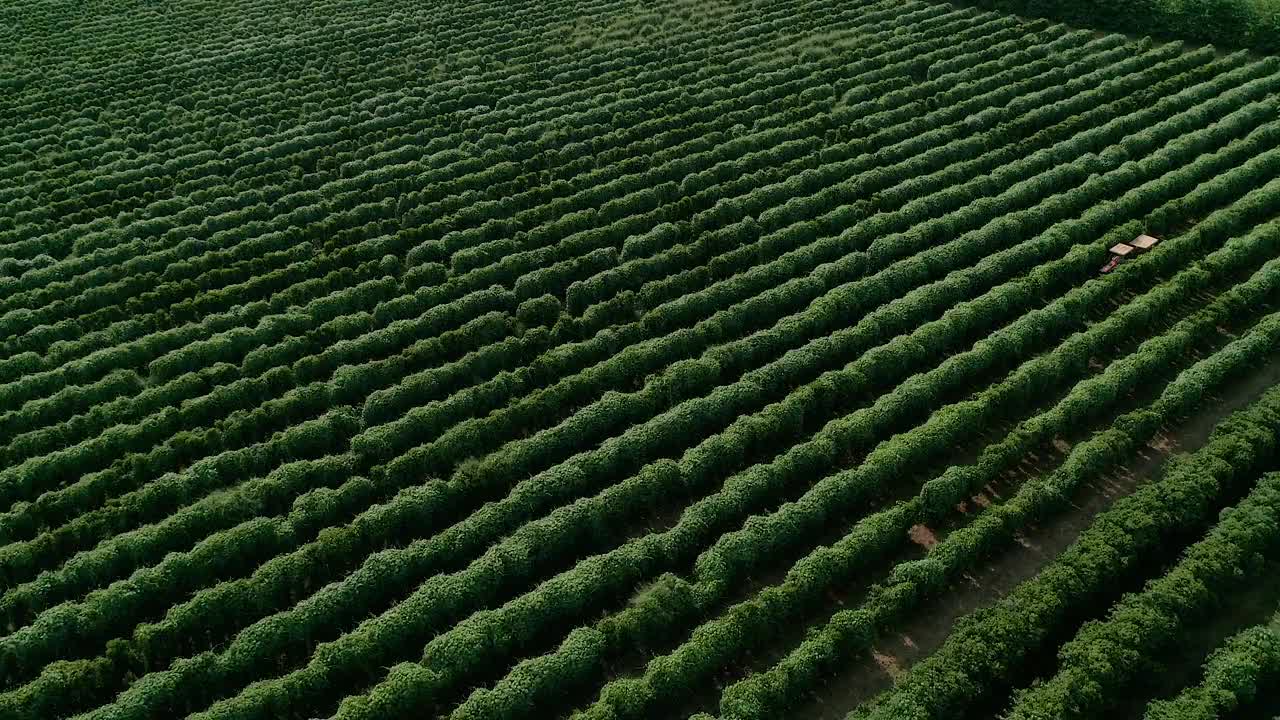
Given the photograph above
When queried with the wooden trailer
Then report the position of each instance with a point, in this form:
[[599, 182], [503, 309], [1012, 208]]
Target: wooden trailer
[[1143, 243]]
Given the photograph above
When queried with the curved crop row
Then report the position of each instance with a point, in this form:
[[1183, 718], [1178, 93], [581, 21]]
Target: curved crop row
[[1186, 495], [1245, 664]]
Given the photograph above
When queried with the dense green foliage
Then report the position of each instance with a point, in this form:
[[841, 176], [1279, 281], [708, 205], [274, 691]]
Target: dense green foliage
[[603, 359], [987, 648], [1247, 663], [1226, 23], [1095, 666]]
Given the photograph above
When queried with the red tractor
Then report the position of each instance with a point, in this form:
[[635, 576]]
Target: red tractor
[[1120, 251]]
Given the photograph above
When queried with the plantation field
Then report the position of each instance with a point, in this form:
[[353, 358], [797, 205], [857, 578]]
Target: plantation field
[[619, 360]]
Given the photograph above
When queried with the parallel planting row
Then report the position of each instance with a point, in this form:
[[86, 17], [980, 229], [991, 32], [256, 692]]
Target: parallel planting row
[[599, 360]]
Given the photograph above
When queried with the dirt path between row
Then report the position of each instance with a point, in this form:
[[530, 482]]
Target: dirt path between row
[[932, 623]]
